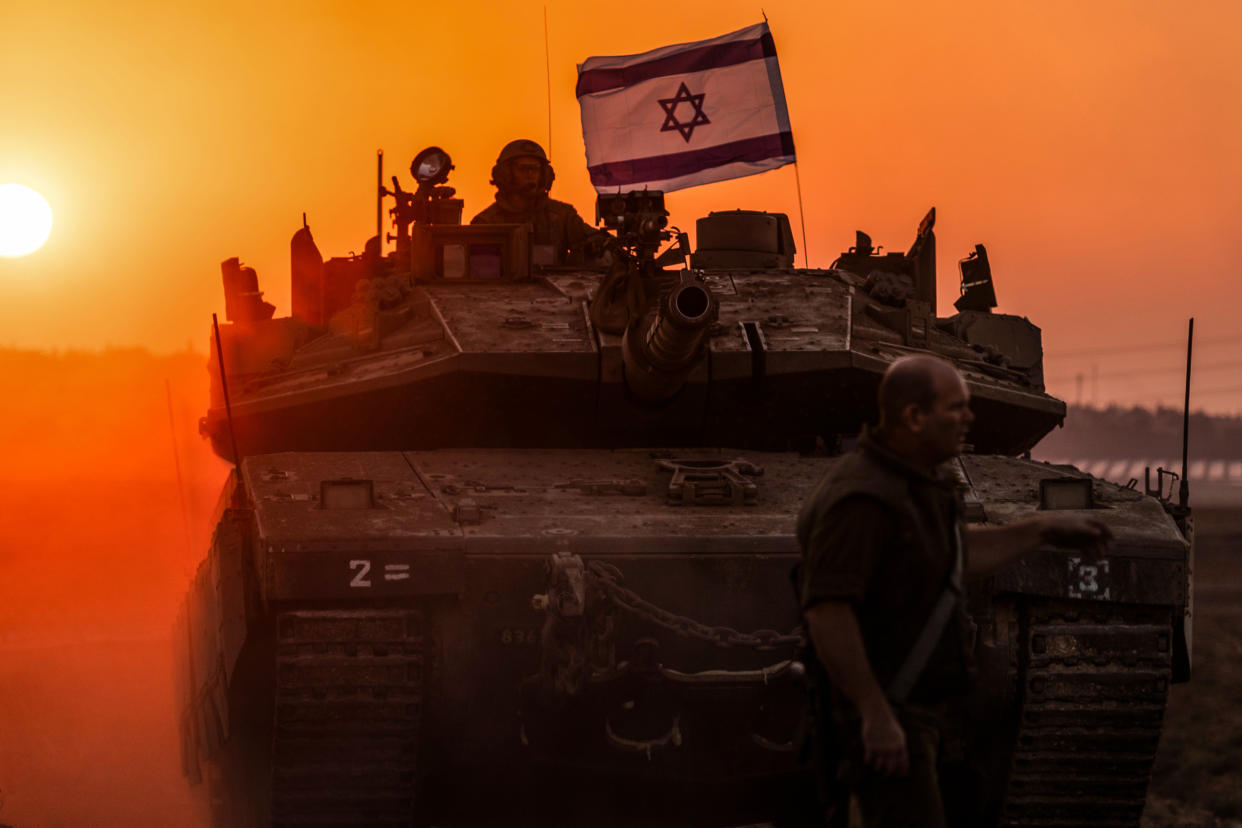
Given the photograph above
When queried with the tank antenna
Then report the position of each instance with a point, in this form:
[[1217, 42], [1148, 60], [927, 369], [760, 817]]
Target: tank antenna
[[172, 431], [1183, 490], [379, 200], [224, 386], [547, 74]]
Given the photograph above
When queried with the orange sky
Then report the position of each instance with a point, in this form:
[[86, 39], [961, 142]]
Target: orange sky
[[1092, 146]]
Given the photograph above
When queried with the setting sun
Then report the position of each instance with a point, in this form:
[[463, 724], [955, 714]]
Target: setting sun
[[25, 220]]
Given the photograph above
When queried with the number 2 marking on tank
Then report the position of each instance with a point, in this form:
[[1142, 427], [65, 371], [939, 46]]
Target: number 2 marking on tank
[[1086, 579], [361, 570]]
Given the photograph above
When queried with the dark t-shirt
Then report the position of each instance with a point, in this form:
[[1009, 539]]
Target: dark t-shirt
[[862, 551]]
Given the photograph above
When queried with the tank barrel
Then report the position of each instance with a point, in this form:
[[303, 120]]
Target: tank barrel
[[665, 344]]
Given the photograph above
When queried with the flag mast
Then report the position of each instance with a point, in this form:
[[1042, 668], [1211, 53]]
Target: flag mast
[[806, 259]]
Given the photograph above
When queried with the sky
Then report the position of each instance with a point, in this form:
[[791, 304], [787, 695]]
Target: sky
[[1093, 147]]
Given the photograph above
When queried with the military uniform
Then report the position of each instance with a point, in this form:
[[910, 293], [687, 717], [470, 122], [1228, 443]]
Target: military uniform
[[553, 223], [880, 534]]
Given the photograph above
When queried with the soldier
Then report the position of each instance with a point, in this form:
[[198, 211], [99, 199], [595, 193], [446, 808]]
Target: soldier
[[882, 594], [523, 177]]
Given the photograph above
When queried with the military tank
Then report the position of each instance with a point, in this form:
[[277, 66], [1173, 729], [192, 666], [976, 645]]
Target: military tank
[[511, 541]]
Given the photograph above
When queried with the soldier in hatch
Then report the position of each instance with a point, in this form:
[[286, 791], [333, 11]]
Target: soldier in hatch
[[522, 177]]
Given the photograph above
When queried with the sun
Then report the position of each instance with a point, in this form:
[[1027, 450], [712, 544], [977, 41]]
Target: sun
[[25, 220]]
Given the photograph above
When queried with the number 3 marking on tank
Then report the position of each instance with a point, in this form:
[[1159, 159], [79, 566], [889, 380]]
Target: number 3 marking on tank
[[362, 569], [1086, 579]]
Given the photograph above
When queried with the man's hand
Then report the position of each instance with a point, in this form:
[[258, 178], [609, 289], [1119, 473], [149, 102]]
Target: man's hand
[[1073, 530], [838, 643], [994, 547], [884, 741]]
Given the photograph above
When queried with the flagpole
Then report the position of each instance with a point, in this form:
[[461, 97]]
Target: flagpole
[[547, 74], [806, 259]]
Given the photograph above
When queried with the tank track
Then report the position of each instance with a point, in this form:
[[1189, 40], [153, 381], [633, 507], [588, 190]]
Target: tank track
[[1096, 680], [350, 688]]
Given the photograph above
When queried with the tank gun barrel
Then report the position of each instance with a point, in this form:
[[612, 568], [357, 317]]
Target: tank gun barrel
[[663, 345]]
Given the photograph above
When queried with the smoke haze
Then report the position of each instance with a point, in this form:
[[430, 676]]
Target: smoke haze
[[95, 553]]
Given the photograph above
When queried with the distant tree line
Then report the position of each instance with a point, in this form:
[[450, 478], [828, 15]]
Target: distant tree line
[[1140, 433]]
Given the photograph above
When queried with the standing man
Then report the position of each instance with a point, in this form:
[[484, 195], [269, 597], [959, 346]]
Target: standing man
[[522, 177], [883, 556]]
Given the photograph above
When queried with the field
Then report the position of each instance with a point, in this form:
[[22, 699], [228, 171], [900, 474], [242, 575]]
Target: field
[[1197, 780]]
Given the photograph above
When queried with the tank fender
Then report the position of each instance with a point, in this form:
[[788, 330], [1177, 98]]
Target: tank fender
[[235, 590], [1183, 621], [212, 626]]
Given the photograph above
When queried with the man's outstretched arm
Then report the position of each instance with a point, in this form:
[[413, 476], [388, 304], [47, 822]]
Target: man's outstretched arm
[[995, 547], [838, 644]]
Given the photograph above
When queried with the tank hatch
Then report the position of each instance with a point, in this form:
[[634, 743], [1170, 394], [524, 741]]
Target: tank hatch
[[743, 239]]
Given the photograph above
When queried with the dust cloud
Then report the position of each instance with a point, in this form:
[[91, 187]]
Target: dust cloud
[[106, 493]]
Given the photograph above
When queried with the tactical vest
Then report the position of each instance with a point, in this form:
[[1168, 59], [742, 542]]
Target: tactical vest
[[866, 472]]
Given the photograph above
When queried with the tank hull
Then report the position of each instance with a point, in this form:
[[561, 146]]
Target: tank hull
[[392, 665]]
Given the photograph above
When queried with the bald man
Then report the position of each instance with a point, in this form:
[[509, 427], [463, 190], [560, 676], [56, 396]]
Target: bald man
[[884, 545]]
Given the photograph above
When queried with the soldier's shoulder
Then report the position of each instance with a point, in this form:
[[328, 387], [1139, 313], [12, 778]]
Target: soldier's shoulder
[[857, 474], [492, 214], [563, 207]]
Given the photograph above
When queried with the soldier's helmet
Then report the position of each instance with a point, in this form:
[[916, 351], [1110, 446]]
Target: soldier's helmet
[[521, 148]]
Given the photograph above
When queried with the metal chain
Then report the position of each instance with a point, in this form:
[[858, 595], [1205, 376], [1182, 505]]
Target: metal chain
[[608, 577]]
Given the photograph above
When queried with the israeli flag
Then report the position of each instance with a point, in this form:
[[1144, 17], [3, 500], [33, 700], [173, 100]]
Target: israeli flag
[[685, 115]]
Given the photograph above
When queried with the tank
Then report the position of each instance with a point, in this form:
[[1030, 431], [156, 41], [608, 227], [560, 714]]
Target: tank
[[506, 538]]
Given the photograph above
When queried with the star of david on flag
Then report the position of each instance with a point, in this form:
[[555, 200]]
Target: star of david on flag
[[685, 115]]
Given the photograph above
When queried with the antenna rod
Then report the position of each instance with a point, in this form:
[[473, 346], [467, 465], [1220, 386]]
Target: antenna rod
[[1183, 490], [228, 409], [172, 429], [379, 200], [547, 74]]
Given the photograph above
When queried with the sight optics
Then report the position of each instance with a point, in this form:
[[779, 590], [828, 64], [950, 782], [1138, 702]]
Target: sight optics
[[431, 167], [1066, 493]]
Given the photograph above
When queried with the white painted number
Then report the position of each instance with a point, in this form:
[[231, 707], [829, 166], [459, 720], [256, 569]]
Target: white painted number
[[362, 569], [1087, 579], [396, 572]]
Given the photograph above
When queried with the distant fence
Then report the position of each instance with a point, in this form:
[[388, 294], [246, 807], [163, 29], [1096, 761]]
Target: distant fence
[[1124, 470]]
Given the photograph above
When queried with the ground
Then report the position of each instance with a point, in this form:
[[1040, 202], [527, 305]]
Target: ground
[[1197, 780]]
